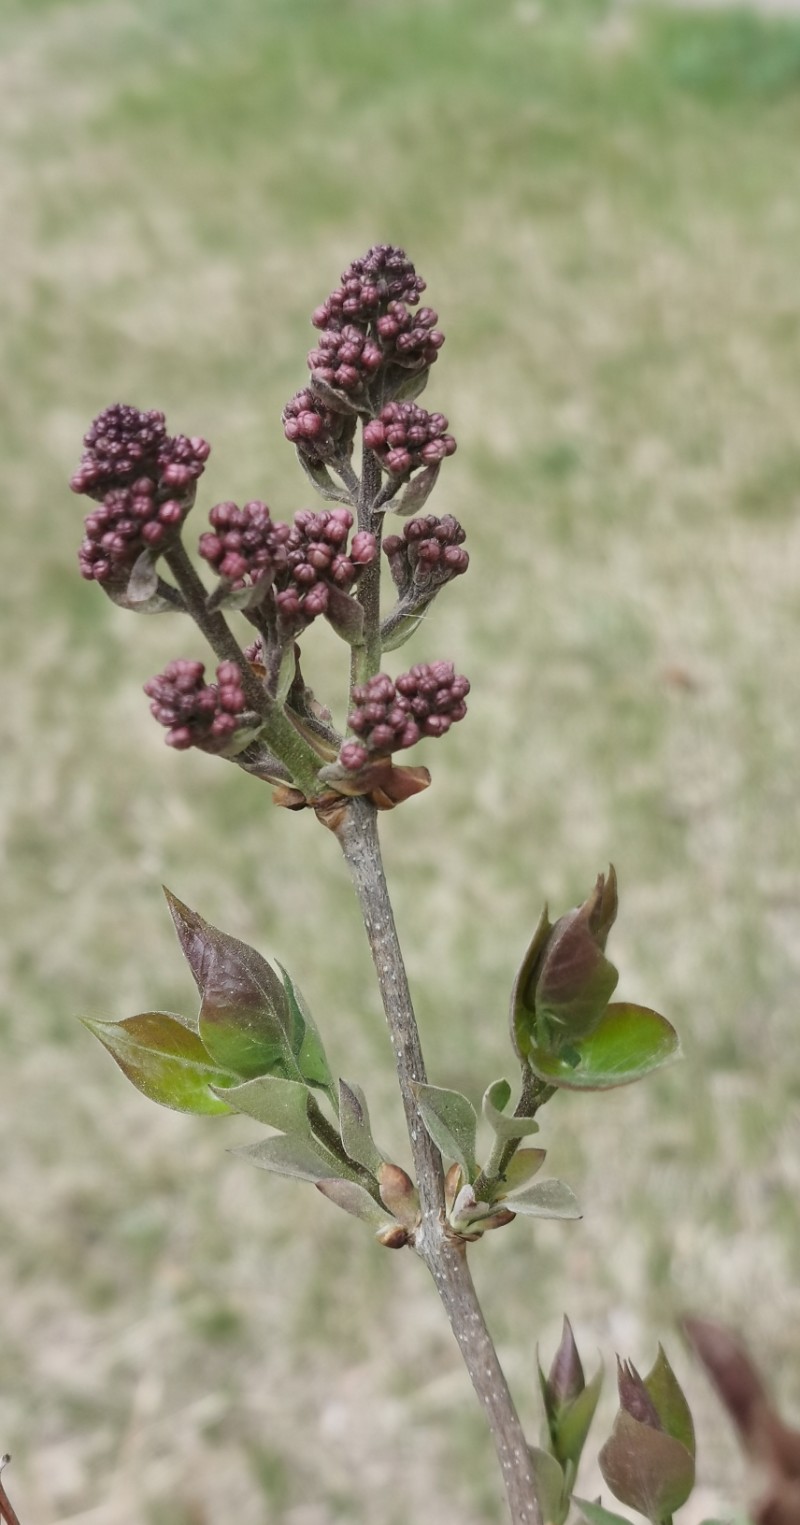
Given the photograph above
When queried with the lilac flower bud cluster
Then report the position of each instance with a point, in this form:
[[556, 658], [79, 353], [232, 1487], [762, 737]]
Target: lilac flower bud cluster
[[392, 715], [381, 275], [404, 436], [410, 339], [141, 477], [345, 358], [316, 561], [367, 325], [244, 545], [123, 445], [428, 552], [128, 521], [196, 713], [318, 433]]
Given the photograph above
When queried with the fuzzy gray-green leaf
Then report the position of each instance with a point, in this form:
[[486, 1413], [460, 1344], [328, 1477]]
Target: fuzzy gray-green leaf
[[452, 1124]]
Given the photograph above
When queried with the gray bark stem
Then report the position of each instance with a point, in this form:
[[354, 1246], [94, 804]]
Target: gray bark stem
[[444, 1254]]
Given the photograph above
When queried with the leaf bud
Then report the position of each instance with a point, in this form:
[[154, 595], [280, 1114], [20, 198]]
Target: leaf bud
[[565, 982], [648, 1461], [569, 1401]]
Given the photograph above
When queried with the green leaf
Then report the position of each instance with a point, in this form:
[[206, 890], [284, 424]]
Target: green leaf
[[574, 1420], [356, 1200], [670, 1402], [306, 1042], [521, 1169], [354, 1126], [276, 1102], [595, 1514], [286, 1156], [549, 1480], [165, 1060], [452, 1124], [245, 1019], [545, 1199], [495, 1100], [646, 1468], [628, 1043]]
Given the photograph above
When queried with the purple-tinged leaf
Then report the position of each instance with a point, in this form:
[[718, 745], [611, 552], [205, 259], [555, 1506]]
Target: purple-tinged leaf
[[331, 397], [409, 384], [166, 1060], [416, 494], [356, 1200], [345, 615], [523, 994], [628, 1043], [354, 1126], [452, 1124], [645, 1468], [248, 597], [245, 1020], [495, 1101], [286, 1156], [322, 481], [545, 1199]]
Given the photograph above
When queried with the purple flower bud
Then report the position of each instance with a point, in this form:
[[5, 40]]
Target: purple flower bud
[[319, 434], [382, 275], [245, 546], [389, 716], [345, 358], [410, 339], [404, 437], [197, 714], [124, 445], [128, 520], [315, 559], [427, 554]]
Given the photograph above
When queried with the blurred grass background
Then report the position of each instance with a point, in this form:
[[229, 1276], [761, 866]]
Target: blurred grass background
[[604, 201]]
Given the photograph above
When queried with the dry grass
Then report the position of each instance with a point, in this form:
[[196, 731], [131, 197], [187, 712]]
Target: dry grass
[[605, 204]]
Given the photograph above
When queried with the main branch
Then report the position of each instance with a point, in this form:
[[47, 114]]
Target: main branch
[[444, 1254]]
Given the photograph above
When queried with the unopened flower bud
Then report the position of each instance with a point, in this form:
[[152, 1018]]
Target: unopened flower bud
[[318, 433], [315, 562], [123, 444], [345, 359], [404, 437], [427, 554], [196, 713], [389, 716], [410, 339], [245, 546], [381, 275]]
